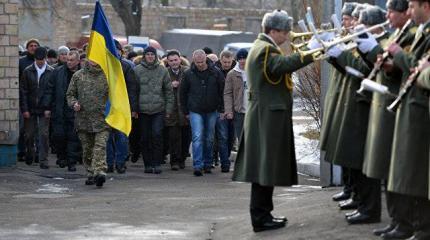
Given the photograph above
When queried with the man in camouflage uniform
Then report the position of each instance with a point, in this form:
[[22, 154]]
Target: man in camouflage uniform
[[87, 95]]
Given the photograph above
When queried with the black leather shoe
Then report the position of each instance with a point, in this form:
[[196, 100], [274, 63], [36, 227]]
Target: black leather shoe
[[71, 168], [279, 219], [120, 169], [360, 218], [109, 169], [148, 170], [225, 169], [134, 158], [99, 180], [270, 225], [349, 214], [61, 163], [198, 173], [182, 165], [90, 181], [341, 196], [174, 167], [43, 166], [207, 170], [348, 205], [397, 233], [28, 160], [380, 231]]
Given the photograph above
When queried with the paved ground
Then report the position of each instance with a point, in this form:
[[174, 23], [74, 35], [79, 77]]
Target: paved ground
[[53, 204]]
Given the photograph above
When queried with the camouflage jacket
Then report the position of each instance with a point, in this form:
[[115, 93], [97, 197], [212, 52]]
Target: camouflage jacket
[[89, 88], [156, 94]]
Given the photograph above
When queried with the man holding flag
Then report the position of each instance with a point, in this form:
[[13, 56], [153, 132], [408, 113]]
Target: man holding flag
[[98, 95]]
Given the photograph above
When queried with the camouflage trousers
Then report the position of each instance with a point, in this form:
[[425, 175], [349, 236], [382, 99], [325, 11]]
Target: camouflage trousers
[[94, 151]]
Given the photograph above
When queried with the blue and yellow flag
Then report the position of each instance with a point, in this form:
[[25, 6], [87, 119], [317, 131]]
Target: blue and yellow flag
[[102, 50]]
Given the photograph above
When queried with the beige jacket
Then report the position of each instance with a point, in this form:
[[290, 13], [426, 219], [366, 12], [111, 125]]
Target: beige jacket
[[233, 92]]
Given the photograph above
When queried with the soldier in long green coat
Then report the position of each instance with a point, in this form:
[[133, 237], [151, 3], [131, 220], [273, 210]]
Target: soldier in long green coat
[[352, 121], [380, 131], [266, 156], [329, 132], [409, 173], [424, 82]]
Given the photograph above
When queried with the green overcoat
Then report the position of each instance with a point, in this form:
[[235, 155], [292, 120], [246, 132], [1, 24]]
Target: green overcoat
[[424, 82], [377, 153], [266, 152], [409, 169], [351, 115], [328, 131]]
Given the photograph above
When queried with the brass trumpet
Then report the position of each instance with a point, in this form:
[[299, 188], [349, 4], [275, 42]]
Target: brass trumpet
[[347, 38]]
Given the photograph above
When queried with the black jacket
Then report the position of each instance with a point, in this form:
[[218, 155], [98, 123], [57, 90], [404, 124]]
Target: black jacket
[[202, 92], [132, 85], [55, 100], [32, 93], [218, 65], [25, 62]]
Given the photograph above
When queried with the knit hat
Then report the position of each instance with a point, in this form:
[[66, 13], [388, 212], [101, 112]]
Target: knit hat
[[32, 40], [397, 5], [241, 54], [63, 50], [372, 15], [278, 19], [52, 53], [348, 8], [150, 49], [358, 9], [40, 53]]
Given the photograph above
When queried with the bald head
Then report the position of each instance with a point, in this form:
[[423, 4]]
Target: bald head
[[199, 59]]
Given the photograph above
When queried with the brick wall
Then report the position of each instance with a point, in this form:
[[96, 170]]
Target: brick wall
[[8, 78]]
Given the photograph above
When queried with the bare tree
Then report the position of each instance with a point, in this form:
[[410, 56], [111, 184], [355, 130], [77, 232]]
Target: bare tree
[[130, 12], [308, 87]]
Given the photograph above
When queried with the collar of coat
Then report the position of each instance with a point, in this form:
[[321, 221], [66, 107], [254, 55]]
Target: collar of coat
[[267, 38]]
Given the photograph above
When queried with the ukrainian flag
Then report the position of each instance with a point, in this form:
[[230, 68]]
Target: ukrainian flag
[[102, 50]]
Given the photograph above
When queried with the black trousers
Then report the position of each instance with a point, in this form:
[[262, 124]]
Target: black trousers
[[135, 136], [346, 178], [421, 217], [370, 195], [68, 146], [399, 209], [261, 203], [179, 143], [152, 138]]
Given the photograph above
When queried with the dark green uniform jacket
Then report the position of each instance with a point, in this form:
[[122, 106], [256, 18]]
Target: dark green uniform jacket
[[424, 82], [266, 152], [377, 153], [328, 131], [409, 169], [351, 115]]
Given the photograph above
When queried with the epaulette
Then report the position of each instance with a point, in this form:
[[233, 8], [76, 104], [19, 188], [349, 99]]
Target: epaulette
[[355, 53], [413, 30]]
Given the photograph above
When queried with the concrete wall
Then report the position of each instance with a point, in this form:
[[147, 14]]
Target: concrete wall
[[8, 81]]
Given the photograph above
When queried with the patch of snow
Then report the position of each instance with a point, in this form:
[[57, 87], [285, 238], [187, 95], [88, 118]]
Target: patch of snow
[[307, 150], [52, 188]]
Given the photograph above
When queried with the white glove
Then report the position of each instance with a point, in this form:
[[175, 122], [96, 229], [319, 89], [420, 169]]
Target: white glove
[[366, 44], [336, 50], [313, 44], [327, 36]]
